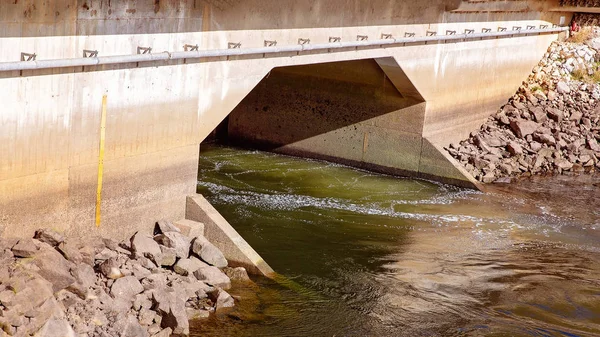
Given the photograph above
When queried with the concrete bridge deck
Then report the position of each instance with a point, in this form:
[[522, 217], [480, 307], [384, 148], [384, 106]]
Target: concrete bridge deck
[[411, 95]]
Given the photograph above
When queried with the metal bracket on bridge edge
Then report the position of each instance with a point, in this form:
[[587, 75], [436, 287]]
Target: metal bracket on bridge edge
[[28, 56], [234, 45], [486, 30], [386, 36], [362, 37], [90, 53], [333, 39], [409, 34], [529, 27], [517, 28], [501, 29], [190, 47], [450, 32], [270, 43], [144, 50], [469, 31]]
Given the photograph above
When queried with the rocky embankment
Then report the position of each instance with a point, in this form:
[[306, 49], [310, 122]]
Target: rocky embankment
[[550, 126], [147, 286]]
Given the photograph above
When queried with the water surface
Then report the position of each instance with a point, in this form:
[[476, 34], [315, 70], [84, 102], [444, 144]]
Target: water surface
[[362, 254]]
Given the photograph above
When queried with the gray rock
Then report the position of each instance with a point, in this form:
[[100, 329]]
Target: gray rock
[[7, 298], [563, 164], [194, 314], [237, 274], [555, 114], [70, 252], [131, 328], [592, 143], [155, 281], [213, 276], [171, 307], [208, 252], [187, 267], [164, 333], [25, 248], [576, 116], [142, 302], [177, 241], [144, 245], [177, 320], [140, 272], [50, 309], [54, 268], [110, 269], [105, 254], [84, 274], [49, 236], [222, 299], [563, 87], [544, 138], [164, 226], [126, 288], [87, 255], [514, 148], [167, 257], [56, 328], [147, 316], [522, 128], [539, 115]]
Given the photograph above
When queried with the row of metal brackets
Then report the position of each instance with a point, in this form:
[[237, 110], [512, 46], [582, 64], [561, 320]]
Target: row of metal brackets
[[303, 41]]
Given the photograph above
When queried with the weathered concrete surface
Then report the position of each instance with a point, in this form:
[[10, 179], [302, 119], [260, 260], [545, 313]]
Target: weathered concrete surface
[[220, 233], [158, 114]]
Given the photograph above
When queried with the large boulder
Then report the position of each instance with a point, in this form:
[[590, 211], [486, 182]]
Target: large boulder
[[555, 114], [54, 267], [110, 269], [25, 248], [237, 274], [171, 306], [164, 226], [208, 252], [522, 127], [56, 328], [222, 299], [126, 288], [49, 236], [131, 327], [144, 245], [213, 276], [177, 241], [187, 267], [167, 257]]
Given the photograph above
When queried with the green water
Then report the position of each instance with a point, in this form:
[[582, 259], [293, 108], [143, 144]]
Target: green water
[[363, 254]]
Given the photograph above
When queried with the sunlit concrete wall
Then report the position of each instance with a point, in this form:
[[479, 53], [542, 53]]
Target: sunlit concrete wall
[[159, 113]]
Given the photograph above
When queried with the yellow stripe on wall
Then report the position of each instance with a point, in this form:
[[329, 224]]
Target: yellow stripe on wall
[[101, 160]]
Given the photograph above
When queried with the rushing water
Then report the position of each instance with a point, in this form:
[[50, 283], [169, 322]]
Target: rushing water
[[362, 254]]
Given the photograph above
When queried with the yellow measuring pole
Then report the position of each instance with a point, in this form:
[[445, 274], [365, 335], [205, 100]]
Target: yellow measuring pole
[[101, 160]]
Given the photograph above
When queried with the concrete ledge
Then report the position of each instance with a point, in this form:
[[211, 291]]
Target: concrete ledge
[[220, 233]]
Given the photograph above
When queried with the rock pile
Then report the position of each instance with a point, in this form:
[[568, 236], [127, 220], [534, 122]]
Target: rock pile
[[551, 125], [148, 286]]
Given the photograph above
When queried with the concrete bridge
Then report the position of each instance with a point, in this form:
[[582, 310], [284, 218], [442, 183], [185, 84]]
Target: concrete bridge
[[105, 103]]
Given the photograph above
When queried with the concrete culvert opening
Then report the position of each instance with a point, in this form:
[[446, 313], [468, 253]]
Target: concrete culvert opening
[[364, 113]]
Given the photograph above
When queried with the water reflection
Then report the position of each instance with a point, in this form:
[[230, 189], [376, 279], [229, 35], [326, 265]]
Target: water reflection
[[371, 255]]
